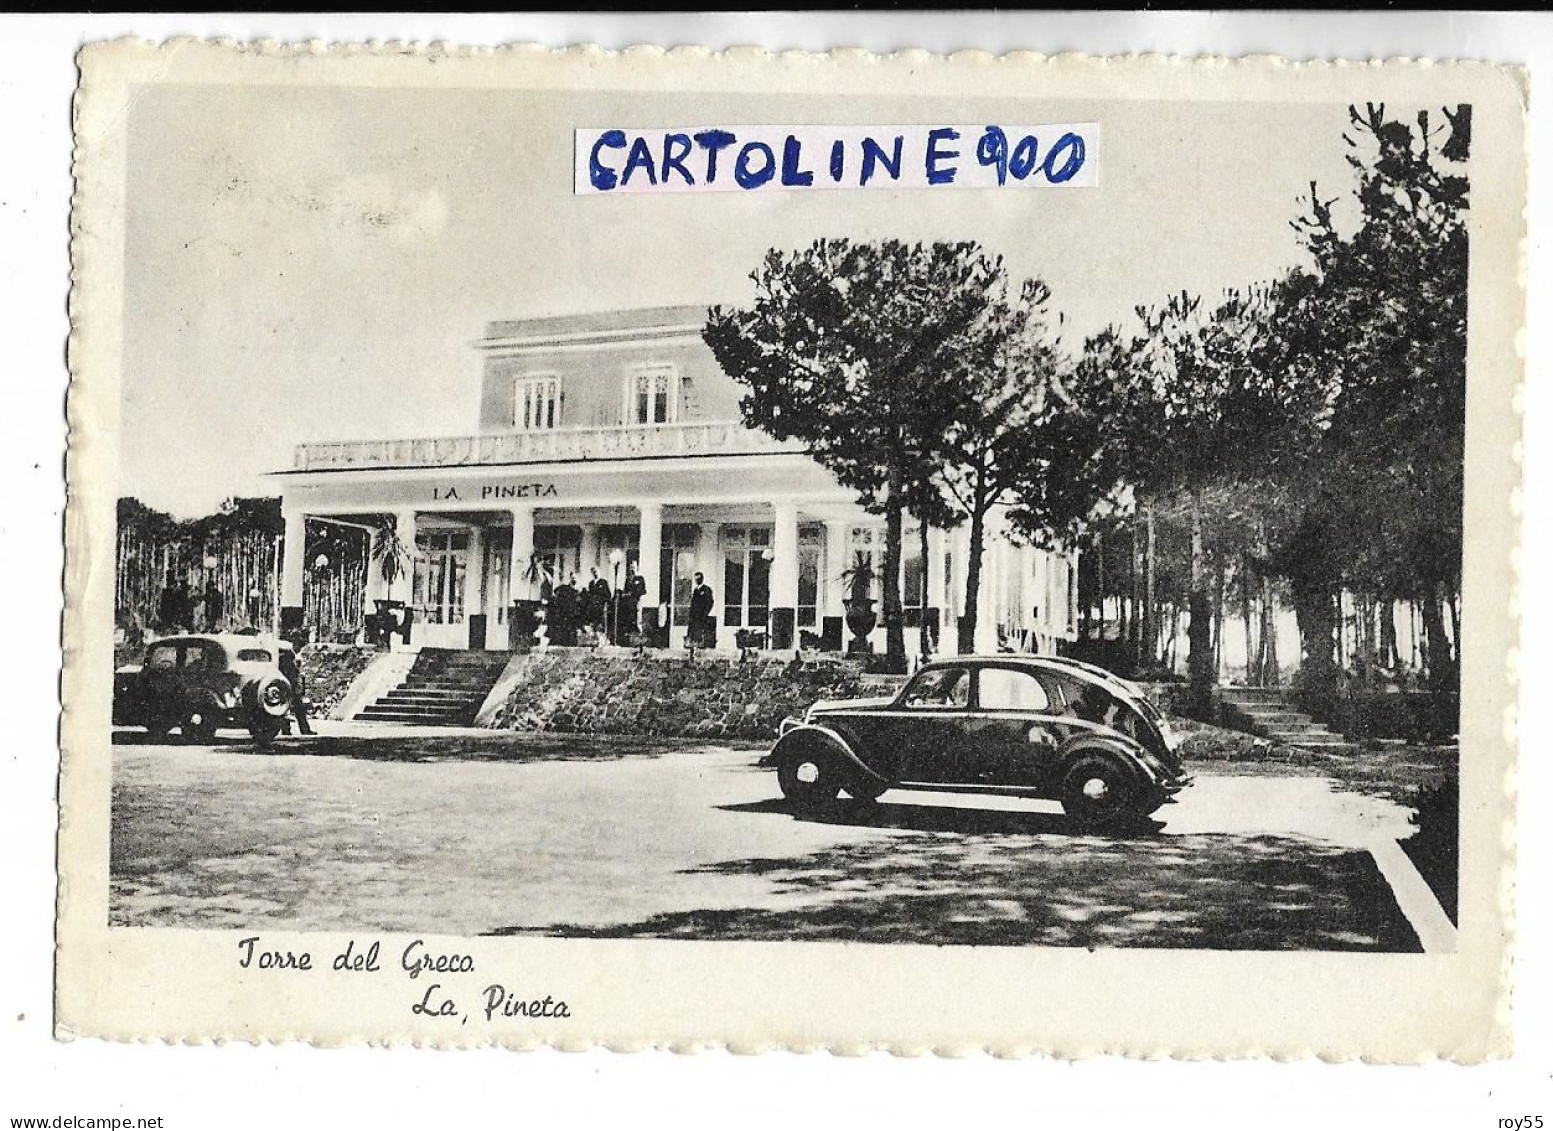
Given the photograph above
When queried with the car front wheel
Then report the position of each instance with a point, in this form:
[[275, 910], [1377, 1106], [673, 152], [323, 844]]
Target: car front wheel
[[1098, 791], [808, 781], [264, 728], [199, 725]]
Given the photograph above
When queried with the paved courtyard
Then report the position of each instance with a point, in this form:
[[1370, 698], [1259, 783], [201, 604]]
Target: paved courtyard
[[463, 832]]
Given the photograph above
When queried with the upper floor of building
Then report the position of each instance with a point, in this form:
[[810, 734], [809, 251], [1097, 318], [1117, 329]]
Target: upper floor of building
[[622, 384]]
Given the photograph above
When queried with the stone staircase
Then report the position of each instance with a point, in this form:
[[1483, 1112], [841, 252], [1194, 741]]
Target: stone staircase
[[444, 687], [1266, 711]]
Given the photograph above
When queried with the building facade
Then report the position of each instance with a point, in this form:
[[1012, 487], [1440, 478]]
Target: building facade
[[610, 443]]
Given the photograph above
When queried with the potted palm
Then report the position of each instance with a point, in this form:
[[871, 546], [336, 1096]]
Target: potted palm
[[392, 557], [861, 618], [526, 611]]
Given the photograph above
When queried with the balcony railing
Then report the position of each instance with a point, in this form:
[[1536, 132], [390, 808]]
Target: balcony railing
[[554, 445]]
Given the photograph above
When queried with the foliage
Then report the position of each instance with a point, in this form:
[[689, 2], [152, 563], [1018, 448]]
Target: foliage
[[859, 350]]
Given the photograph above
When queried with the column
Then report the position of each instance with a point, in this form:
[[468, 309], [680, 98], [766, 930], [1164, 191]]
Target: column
[[838, 541], [404, 581], [474, 589], [293, 565], [588, 552], [784, 577], [987, 599], [650, 546], [937, 586], [709, 562], [522, 554]]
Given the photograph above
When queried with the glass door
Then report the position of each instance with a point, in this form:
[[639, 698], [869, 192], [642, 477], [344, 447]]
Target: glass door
[[746, 576], [441, 569]]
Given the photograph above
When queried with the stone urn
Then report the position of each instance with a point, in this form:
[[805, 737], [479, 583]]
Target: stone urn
[[525, 623], [861, 619]]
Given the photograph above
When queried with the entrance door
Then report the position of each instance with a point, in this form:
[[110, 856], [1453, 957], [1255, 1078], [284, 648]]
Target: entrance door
[[441, 568], [747, 577]]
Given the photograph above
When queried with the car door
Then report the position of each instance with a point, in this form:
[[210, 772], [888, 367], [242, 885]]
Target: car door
[[161, 687], [928, 723], [1016, 729]]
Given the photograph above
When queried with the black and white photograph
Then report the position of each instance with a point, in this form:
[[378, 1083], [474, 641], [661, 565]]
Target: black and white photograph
[[953, 523]]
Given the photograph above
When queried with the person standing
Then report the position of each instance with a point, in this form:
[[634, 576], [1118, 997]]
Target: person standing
[[167, 608], [291, 667], [703, 627], [564, 609], [215, 606], [629, 597], [596, 599]]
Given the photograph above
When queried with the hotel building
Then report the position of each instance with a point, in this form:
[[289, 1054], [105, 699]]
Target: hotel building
[[604, 441]]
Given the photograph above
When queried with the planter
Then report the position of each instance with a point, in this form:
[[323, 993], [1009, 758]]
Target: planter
[[861, 619], [525, 623]]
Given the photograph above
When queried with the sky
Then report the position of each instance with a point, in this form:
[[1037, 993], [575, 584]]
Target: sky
[[316, 264]]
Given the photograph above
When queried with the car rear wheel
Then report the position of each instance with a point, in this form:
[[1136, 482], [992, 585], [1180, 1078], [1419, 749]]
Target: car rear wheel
[[1098, 791], [808, 780]]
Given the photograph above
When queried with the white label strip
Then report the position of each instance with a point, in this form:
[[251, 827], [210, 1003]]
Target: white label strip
[[804, 158]]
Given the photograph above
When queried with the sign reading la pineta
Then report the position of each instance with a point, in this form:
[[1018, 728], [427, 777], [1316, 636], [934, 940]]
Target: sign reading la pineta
[[487, 491]]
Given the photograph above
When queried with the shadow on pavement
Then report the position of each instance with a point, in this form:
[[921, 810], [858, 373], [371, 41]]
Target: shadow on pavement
[[941, 818], [991, 878], [396, 746]]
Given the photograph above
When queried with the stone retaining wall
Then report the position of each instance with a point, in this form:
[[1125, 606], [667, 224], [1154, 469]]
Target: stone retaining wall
[[330, 670], [616, 691]]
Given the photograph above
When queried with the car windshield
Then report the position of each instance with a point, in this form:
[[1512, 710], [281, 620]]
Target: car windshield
[[253, 656], [943, 688]]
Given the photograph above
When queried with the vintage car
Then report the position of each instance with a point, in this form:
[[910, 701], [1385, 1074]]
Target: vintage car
[[1035, 726], [201, 683]]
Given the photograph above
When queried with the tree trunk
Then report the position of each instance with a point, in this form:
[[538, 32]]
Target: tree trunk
[[1099, 586], [1313, 611], [927, 631], [1134, 592], [1218, 625], [1268, 674], [973, 570], [894, 622], [1391, 659], [1245, 615], [1148, 657], [1441, 667], [1199, 627]]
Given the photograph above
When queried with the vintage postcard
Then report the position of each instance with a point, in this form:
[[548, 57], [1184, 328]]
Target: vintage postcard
[[812, 551]]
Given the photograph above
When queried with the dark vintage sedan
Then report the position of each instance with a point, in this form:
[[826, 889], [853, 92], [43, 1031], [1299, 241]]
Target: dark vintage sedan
[[199, 683], [1034, 726]]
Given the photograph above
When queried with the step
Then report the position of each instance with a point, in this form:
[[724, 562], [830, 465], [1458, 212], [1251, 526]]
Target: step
[[1270, 714], [418, 709], [372, 716], [439, 690], [399, 699], [1305, 738], [1292, 726], [1252, 693]]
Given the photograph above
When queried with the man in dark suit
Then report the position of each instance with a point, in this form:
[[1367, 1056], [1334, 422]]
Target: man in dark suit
[[703, 629], [628, 600], [596, 602], [564, 608], [291, 667]]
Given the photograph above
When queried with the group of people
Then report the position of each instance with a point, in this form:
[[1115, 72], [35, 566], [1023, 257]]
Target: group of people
[[181, 609], [615, 614]]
